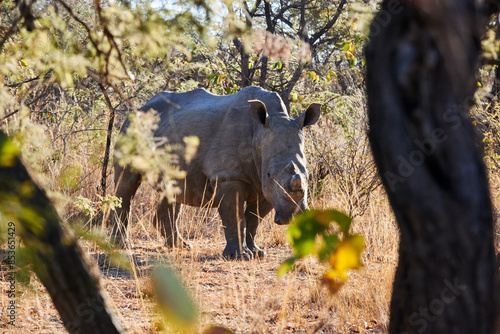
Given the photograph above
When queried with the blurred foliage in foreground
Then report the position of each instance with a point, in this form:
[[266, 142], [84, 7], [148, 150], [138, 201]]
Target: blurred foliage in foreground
[[310, 233]]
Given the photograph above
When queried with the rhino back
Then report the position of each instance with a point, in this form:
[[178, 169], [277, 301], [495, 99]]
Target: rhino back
[[223, 126]]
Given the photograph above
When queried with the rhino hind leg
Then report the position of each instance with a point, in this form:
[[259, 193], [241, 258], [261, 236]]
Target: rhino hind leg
[[165, 221], [253, 215], [127, 183]]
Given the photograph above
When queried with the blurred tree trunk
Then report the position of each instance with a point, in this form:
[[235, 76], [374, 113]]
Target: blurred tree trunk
[[57, 258], [421, 67]]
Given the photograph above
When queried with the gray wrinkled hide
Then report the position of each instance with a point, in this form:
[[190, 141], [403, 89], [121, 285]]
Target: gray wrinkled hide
[[250, 160]]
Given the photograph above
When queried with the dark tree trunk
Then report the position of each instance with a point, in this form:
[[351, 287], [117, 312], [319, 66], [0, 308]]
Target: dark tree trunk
[[58, 260], [421, 66]]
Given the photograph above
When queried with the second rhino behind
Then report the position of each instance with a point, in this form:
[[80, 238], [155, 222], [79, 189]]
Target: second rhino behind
[[250, 160]]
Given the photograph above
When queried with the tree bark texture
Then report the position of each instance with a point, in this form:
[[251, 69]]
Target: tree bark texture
[[57, 258], [421, 67]]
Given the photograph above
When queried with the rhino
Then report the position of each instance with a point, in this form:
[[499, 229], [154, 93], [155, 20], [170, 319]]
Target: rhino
[[250, 160]]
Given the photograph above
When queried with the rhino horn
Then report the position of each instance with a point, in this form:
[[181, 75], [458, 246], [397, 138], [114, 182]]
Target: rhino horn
[[296, 183]]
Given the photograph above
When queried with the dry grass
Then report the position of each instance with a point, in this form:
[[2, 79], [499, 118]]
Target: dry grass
[[246, 297]]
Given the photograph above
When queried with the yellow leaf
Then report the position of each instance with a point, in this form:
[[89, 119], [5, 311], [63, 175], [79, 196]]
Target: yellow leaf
[[330, 75], [349, 55], [221, 77], [23, 63], [347, 255], [8, 153]]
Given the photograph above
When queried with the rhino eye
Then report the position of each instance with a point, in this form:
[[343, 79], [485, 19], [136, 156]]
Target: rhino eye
[[268, 174]]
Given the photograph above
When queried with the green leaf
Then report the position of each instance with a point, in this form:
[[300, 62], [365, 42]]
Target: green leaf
[[328, 245], [286, 266], [328, 216], [212, 77], [174, 300], [8, 152], [302, 233]]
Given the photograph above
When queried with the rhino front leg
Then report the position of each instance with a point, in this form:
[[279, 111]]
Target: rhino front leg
[[231, 210], [253, 215], [165, 220], [127, 183]]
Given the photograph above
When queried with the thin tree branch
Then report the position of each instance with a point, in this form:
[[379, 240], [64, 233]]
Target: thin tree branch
[[245, 74], [9, 115], [17, 84], [83, 24], [270, 28], [302, 26], [108, 140], [330, 23]]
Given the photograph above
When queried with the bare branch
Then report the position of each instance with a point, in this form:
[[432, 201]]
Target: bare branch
[[83, 24], [17, 84], [108, 139], [330, 23]]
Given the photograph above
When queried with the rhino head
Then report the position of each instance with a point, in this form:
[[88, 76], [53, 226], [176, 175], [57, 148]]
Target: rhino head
[[279, 144]]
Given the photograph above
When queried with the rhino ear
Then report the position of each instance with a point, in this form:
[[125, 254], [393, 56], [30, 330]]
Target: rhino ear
[[310, 116], [257, 110]]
